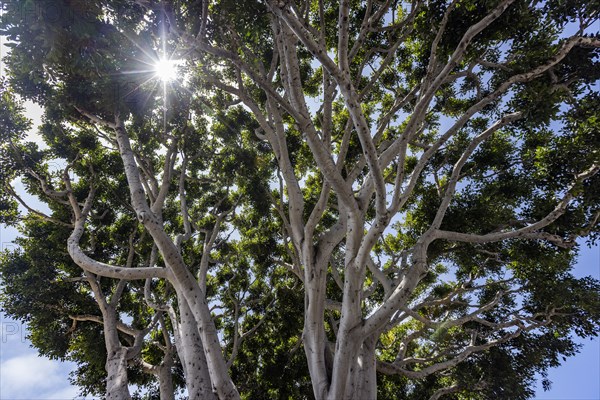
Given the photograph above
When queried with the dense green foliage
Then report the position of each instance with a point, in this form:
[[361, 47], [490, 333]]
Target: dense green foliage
[[511, 306]]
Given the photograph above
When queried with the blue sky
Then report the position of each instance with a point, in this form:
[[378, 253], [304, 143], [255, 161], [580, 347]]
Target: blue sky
[[579, 377]]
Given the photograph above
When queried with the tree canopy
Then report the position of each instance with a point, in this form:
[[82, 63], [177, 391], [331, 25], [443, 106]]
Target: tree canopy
[[321, 199]]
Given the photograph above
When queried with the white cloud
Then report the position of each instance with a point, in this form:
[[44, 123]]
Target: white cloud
[[13, 340], [32, 377], [65, 393]]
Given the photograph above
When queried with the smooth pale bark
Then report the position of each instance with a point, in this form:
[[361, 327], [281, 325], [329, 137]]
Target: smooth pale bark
[[315, 259], [181, 278], [117, 355], [116, 361], [348, 342], [313, 335], [164, 375], [191, 354], [362, 379], [165, 380], [116, 368]]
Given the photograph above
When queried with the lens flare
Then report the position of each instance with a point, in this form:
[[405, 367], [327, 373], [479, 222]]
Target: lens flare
[[166, 70]]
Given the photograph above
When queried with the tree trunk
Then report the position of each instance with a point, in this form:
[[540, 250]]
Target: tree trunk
[[191, 353], [181, 278], [116, 368], [348, 341], [165, 381], [362, 380], [116, 354], [313, 335]]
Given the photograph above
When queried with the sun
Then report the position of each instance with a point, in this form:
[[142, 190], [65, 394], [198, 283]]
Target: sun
[[166, 70]]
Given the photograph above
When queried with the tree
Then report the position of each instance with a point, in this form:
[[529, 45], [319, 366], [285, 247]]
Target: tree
[[418, 173]]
